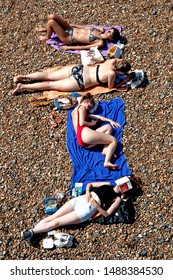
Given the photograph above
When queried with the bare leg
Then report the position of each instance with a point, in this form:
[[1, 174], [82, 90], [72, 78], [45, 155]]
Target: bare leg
[[104, 152], [43, 38], [19, 78], [105, 129], [59, 80], [57, 25], [68, 84], [109, 153], [95, 137], [108, 130], [41, 29], [64, 24], [62, 73], [17, 89], [53, 25], [64, 216], [68, 219]]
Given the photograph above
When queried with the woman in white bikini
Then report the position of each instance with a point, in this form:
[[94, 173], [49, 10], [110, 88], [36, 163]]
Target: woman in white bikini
[[72, 34], [74, 77]]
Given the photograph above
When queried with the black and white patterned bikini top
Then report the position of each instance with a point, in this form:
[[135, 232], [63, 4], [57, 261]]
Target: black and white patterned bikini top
[[92, 37]]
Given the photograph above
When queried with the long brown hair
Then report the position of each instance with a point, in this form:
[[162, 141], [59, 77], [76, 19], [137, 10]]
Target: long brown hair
[[123, 66], [88, 97]]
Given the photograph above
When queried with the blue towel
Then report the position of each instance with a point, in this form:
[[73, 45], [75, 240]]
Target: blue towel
[[88, 164]]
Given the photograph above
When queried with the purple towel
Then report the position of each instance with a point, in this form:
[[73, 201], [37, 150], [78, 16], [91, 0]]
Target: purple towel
[[56, 43]]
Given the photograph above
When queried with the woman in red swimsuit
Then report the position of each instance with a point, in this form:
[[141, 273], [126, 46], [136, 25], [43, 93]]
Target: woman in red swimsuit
[[87, 137]]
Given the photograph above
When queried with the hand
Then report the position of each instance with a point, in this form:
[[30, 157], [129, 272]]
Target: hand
[[94, 122], [88, 196], [115, 124], [93, 202], [64, 48], [118, 59]]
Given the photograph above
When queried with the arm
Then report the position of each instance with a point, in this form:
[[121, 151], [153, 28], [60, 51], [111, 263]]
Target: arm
[[93, 185], [111, 78], [82, 120], [101, 29], [96, 185], [114, 206], [98, 44], [97, 206], [105, 120], [79, 26]]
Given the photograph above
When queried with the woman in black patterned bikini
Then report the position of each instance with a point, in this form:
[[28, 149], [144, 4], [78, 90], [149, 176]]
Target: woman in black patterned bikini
[[74, 77], [71, 34]]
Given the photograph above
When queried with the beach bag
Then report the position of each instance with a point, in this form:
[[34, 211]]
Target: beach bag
[[65, 102], [91, 56]]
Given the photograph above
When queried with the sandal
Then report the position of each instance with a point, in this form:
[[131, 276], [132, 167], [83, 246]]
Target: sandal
[[54, 120]]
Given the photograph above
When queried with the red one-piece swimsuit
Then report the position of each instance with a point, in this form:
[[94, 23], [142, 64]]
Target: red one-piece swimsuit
[[79, 131]]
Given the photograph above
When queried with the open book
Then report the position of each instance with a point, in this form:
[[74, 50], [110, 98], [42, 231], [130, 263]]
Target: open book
[[124, 184]]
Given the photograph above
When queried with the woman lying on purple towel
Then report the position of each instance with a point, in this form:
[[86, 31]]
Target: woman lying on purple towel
[[72, 34]]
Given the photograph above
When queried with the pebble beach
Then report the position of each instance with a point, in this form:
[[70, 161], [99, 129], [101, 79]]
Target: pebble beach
[[34, 156]]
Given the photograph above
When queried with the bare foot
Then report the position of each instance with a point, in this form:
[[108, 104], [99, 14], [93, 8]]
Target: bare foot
[[17, 89], [43, 38], [41, 29], [18, 78], [111, 165]]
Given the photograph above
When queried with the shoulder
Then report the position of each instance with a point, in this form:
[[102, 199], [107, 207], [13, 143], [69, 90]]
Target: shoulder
[[81, 108], [117, 199], [100, 42], [111, 72], [102, 29]]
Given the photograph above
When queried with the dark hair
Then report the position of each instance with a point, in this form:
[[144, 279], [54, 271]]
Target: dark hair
[[123, 66], [116, 35], [88, 97], [136, 190]]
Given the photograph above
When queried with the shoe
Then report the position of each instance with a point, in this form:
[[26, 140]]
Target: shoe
[[27, 234], [63, 240], [60, 243]]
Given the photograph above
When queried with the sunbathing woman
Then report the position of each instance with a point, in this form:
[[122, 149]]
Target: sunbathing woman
[[99, 196], [87, 136], [71, 34], [75, 77]]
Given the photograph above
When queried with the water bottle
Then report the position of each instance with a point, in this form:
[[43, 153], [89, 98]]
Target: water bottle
[[59, 195]]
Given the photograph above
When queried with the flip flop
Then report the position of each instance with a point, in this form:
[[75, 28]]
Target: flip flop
[[54, 119], [38, 101]]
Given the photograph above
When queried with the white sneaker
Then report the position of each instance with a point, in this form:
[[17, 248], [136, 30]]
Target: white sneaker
[[60, 243], [63, 240]]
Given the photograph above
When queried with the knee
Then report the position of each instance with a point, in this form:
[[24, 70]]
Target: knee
[[109, 129], [115, 141], [51, 16], [51, 22], [47, 85]]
